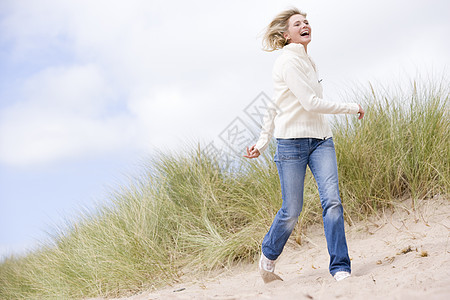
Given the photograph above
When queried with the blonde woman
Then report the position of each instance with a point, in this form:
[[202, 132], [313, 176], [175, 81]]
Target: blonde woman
[[297, 120]]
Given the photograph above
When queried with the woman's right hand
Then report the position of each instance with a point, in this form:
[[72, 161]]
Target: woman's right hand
[[361, 112], [252, 152]]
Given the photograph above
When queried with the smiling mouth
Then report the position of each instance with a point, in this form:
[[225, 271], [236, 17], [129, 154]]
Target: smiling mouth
[[305, 33]]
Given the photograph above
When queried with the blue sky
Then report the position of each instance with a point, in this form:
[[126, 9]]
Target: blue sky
[[88, 89]]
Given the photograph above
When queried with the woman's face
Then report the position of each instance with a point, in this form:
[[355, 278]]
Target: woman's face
[[299, 30]]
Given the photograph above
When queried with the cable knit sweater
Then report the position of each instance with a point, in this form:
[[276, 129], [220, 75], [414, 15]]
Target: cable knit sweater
[[297, 110]]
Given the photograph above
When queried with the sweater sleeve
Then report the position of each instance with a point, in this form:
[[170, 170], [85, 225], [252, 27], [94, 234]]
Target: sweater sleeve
[[298, 83], [267, 128]]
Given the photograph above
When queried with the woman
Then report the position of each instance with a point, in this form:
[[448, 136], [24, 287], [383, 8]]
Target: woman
[[298, 122]]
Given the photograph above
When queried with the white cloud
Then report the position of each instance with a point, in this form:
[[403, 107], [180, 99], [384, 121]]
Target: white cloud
[[163, 64], [49, 137], [79, 89], [63, 113]]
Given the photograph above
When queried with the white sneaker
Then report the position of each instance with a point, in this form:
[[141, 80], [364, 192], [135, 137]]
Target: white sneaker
[[266, 264], [266, 269], [341, 275]]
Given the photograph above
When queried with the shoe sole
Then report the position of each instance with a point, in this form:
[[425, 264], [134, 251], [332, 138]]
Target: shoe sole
[[342, 278]]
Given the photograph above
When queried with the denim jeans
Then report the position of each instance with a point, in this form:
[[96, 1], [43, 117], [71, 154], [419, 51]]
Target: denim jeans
[[291, 157]]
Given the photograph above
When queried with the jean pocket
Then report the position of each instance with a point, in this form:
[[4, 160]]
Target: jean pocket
[[288, 157], [287, 152]]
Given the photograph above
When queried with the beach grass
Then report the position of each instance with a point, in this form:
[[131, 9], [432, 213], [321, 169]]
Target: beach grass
[[186, 214]]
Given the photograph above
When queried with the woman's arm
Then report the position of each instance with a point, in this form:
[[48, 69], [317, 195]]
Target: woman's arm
[[298, 83], [267, 128], [266, 132]]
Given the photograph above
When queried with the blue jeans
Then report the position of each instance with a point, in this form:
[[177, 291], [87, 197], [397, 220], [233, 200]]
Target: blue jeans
[[291, 157]]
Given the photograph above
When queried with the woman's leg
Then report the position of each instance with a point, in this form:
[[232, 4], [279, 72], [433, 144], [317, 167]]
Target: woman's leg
[[291, 159], [323, 165]]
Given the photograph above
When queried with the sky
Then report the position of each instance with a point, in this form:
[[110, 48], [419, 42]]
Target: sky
[[91, 89]]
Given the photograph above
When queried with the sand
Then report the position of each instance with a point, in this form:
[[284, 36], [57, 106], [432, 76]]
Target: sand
[[400, 254]]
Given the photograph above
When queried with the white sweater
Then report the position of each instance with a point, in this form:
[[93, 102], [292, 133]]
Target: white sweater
[[297, 110]]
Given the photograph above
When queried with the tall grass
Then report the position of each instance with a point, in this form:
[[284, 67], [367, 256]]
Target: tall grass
[[187, 214], [402, 148]]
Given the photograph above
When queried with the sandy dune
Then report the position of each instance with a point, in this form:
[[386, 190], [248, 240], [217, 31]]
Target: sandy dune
[[404, 254]]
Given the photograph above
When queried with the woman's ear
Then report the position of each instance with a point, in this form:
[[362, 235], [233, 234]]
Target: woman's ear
[[286, 36]]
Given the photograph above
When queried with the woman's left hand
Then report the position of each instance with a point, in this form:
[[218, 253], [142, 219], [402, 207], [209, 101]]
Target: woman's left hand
[[252, 152]]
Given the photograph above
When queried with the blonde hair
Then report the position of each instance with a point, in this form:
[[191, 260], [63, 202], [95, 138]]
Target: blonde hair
[[273, 38]]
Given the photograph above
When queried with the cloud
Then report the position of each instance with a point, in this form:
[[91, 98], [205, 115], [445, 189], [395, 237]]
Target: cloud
[[137, 75], [62, 113]]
